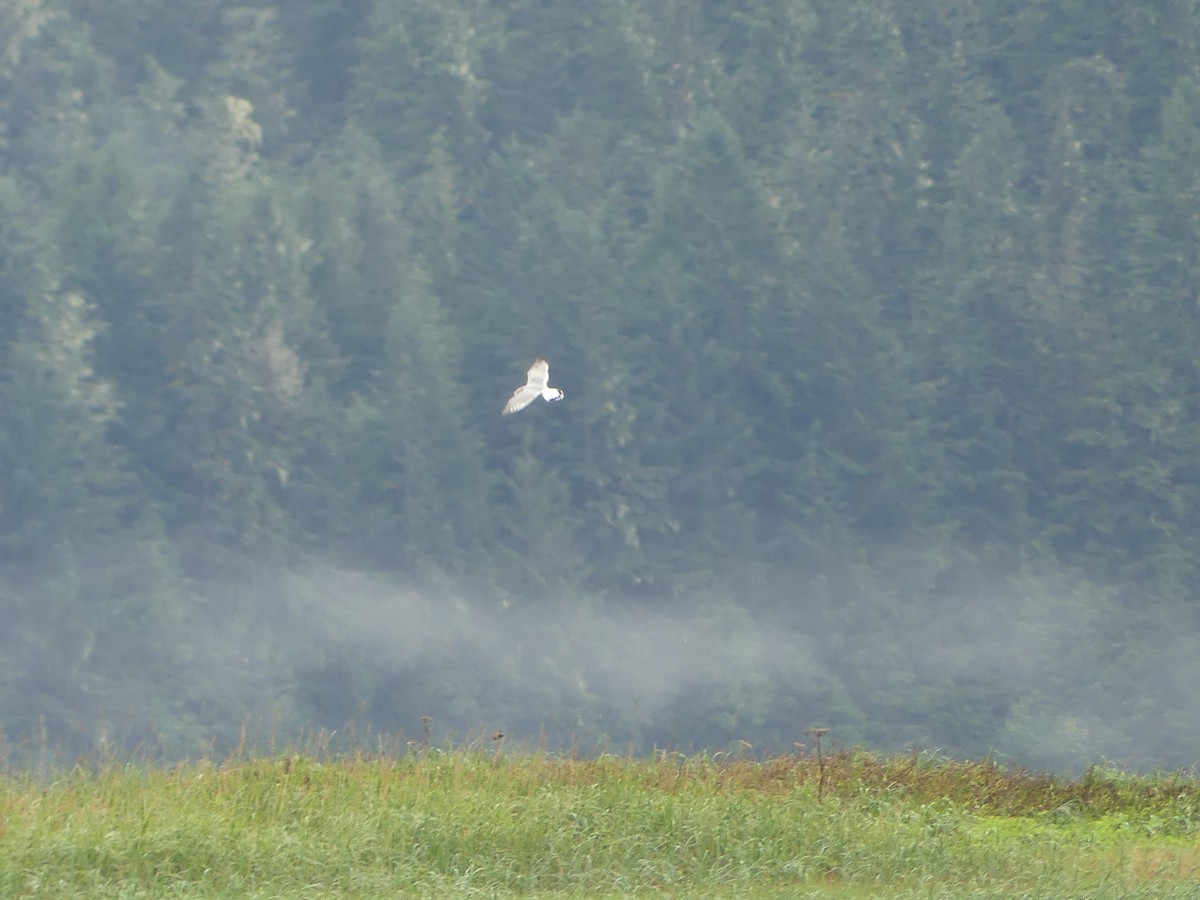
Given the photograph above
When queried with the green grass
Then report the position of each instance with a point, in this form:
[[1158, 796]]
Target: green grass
[[465, 823]]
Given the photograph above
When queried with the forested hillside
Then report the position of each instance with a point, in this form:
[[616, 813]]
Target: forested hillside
[[878, 323]]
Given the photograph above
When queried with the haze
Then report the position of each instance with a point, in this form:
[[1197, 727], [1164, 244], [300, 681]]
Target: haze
[[877, 324]]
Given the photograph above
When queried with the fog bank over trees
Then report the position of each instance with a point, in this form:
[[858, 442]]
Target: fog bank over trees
[[877, 321]]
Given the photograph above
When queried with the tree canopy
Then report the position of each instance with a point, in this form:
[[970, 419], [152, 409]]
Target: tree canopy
[[877, 323]]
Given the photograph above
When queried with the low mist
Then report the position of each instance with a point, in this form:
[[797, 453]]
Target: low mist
[[583, 673], [999, 672], [1046, 671]]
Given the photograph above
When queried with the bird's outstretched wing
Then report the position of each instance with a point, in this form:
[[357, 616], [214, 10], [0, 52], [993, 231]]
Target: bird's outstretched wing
[[521, 398], [538, 374]]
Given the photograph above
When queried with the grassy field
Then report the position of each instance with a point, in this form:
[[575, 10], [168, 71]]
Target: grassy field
[[473, 823]]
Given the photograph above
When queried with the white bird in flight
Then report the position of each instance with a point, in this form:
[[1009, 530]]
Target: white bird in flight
[[536, 386]]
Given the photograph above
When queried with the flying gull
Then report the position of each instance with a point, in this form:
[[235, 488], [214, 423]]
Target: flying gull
[[536, 386]]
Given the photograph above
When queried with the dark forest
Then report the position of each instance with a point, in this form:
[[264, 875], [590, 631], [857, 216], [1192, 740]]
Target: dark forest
[[878, 324]]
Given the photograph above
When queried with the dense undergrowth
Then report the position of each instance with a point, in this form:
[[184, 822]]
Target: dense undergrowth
[[487, 822]]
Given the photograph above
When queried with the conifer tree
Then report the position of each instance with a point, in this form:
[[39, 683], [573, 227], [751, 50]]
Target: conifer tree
[[420, 497], [418, 77], [710, 268], [92, 605], [981, 356]]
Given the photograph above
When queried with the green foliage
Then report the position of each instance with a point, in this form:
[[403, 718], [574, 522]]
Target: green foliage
[[418, 79], [877, 323], [91, 604], [711, 259], [544, 61], [419, 476], [476, 821]]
